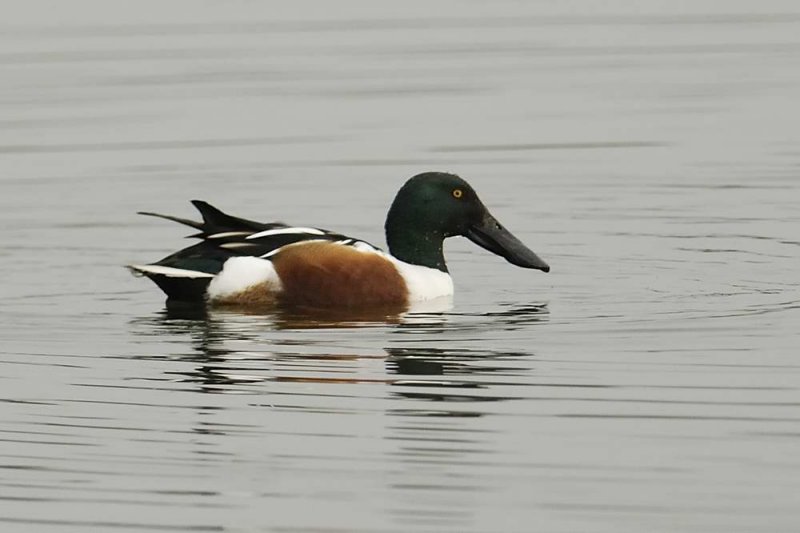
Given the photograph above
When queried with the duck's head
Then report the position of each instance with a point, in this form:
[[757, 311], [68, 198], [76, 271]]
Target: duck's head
[[435, 205]]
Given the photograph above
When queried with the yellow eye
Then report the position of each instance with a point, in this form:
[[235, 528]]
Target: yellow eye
[[457, 193]]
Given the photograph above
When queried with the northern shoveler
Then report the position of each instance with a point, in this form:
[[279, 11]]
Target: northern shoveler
[[243, 262]]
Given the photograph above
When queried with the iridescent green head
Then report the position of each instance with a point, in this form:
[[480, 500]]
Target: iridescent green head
[[433, 206]]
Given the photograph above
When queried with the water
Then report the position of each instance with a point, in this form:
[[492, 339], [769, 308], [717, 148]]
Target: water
[[646, 150]]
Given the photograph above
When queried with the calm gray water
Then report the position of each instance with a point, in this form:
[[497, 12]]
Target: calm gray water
[[647, 150]]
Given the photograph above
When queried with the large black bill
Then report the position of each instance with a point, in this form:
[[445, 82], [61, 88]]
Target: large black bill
[[490, 234]]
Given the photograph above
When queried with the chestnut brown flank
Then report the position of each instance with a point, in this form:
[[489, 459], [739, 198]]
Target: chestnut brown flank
[[321, 274], [259, 295]]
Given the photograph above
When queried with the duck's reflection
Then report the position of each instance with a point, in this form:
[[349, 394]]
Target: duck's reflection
[[424, 316], [434, 311], [219, 336], [455, 375], [236, 353]]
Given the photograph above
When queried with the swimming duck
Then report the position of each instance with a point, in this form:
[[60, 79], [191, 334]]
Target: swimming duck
[[244, 262]]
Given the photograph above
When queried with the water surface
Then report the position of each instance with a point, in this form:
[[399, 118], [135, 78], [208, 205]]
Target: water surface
[[646, 150]]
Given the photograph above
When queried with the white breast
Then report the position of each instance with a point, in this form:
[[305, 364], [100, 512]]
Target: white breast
[[424, 283]]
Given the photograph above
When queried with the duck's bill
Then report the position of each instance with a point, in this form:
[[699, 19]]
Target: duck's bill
[[490, 234]]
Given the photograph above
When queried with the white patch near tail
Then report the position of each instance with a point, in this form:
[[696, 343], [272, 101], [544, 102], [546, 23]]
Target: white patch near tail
[[170, 272], [240, 273]]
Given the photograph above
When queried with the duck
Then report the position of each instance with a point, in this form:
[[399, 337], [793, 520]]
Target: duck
[[241, 262]]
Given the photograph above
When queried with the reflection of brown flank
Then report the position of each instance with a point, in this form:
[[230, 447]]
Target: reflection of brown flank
[[322, 274]]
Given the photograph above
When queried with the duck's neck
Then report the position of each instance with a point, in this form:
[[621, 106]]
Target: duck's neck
[[411, 243]]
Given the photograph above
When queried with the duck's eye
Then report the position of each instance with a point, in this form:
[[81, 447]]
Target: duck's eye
[[458, 193]]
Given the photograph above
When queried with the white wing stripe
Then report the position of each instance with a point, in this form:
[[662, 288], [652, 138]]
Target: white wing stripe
[[285, 231], [237, 245], [226, 234]]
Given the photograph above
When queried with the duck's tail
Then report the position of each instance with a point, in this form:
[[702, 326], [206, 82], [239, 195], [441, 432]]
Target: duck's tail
[[185, 274], [215, 221]]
